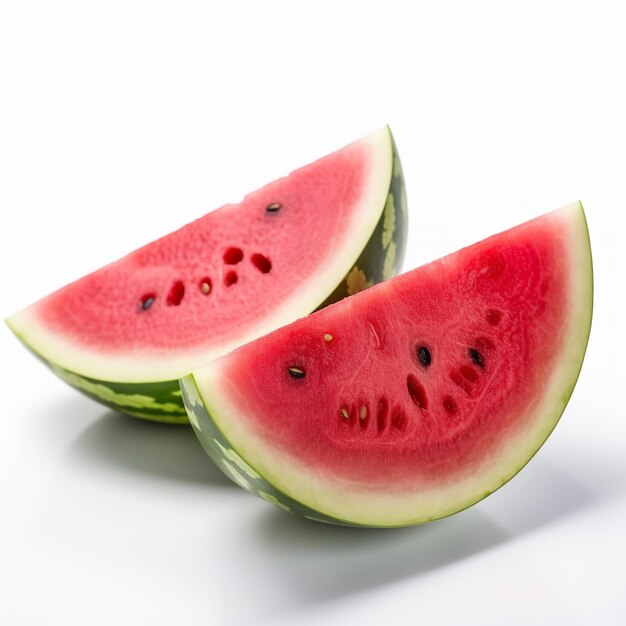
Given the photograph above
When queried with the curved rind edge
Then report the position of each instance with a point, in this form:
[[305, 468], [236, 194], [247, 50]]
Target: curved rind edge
[[154, 401], [160, 400], [564, 380], [383, 255], [224, 455]]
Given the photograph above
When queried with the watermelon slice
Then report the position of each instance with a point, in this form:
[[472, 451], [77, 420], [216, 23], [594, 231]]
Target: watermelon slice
[[125, 334], [416, 398]]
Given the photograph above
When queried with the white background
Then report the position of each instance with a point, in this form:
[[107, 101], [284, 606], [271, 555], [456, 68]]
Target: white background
[[120, 121]]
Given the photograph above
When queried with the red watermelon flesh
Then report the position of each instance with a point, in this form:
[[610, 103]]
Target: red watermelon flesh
[[421, 395], [232, 275]]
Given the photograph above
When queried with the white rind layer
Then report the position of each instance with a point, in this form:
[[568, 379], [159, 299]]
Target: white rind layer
[[155, 366], [351, 503]]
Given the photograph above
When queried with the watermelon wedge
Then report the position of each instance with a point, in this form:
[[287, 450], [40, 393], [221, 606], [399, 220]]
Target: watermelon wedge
[[416, 398], [125, 334]]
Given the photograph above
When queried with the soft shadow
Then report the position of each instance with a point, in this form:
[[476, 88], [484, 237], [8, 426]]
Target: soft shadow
[[65, 416], [320, 563], [159, 450]]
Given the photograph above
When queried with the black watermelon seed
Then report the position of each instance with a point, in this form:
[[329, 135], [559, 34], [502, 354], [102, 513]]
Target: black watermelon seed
[[476, 357], [274, 207], [296, 372], [146, 303], [423, 354]]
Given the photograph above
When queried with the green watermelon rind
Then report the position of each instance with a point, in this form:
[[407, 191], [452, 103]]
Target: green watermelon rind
[[379, 259], [150, 401], [211, 416], [226, 457]]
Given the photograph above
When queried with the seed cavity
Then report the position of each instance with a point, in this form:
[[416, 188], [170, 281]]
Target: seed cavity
[[147, 301], [449, 405], [423, 356], [328, 337], [205, 286], [230, 278], [176, 293], [477, 357], [462, 381], [493, 316], [381, 415], [483, 343], [274, 207], [416, 392], [296, 372], [398, 419], [232, 256], [261, 262], [469, 373]]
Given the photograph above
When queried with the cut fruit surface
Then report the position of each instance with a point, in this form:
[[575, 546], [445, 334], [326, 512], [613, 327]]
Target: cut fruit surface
[[127, 332], [416, 398]]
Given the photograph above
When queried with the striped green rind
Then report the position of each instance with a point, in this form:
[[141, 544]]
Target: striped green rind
[[230, 461], [380, 259], [154, 401], [159, 401]]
